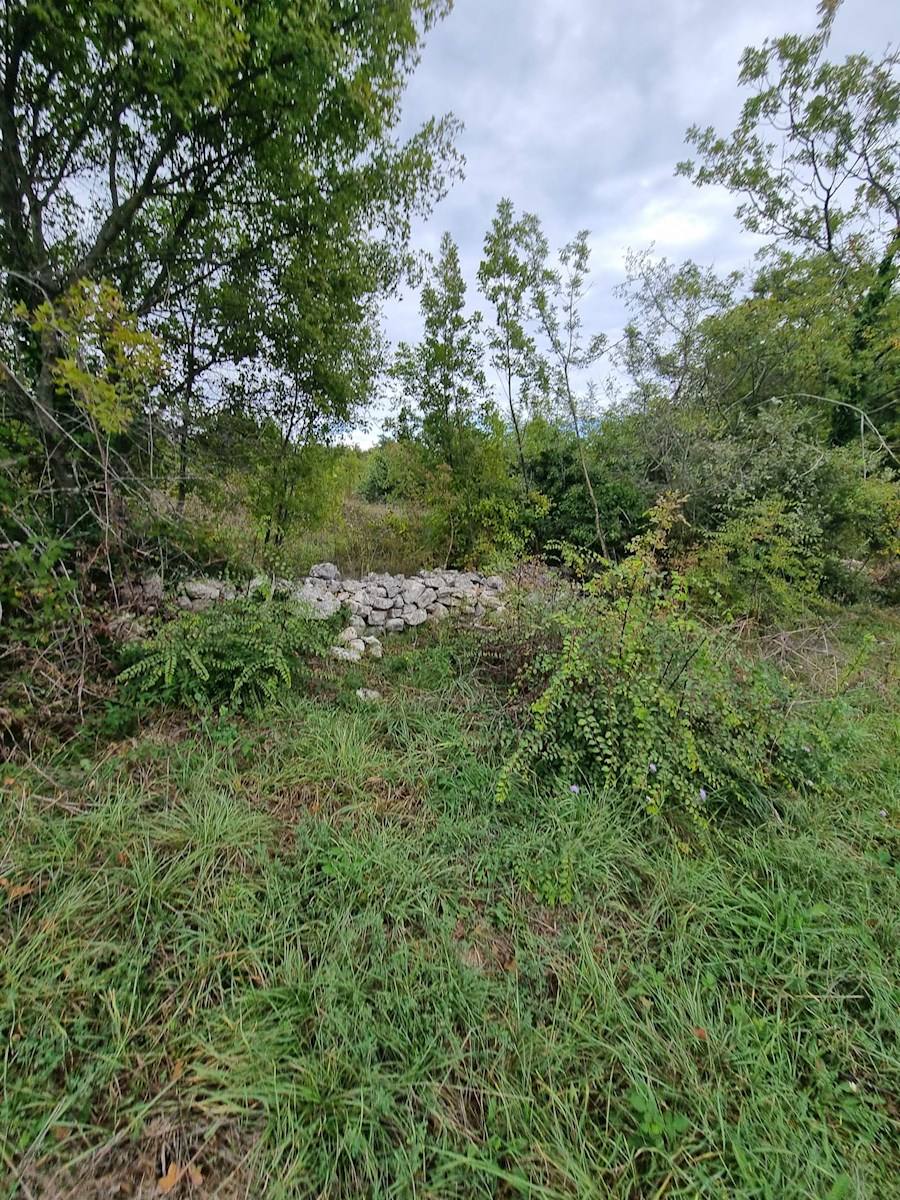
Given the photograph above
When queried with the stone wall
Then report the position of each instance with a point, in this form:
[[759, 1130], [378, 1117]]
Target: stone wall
[[377, 602]]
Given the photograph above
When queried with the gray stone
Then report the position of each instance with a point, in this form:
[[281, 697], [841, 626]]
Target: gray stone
[[413, 590], [439, 612], [358, 644], [383, 602], [154, 592], [377, 616], [368, 694], [395, 625], [320, 603], [494, 582], [427, 597], [205, 590], [345, 654], [416, 617], [324, 570], [350, 634], [127, 628]]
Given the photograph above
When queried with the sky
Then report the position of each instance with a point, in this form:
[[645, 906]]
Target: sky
[[577, 110]]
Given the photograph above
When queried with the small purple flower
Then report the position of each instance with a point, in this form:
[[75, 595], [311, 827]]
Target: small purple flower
[[703, 794], [574, 789], [652, 768]]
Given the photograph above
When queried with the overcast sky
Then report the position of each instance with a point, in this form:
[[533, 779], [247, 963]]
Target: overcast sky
[[577, 110]]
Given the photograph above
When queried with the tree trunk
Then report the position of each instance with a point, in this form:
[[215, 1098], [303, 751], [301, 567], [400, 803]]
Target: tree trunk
[[584, 468]]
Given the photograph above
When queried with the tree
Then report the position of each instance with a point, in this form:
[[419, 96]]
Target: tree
[[664, 350], [815, 159], [505, 278], [557, 295], [442, 379], [162, 144]]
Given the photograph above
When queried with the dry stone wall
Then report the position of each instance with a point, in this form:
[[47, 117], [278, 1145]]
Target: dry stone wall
[[378, 603]]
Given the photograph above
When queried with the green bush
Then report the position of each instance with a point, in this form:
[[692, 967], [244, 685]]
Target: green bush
[[37, 593], [241, 653], [643, 696], [765, 563]]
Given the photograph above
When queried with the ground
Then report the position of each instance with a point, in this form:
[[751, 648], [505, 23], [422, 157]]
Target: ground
[[306, 954]]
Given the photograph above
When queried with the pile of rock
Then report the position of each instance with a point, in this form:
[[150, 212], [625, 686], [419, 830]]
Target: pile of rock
[[393, 603], [378, 602], [352, 646]]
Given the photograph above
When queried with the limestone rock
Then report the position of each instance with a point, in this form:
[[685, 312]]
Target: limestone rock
[[127, 628], [374, 648], [152, 586], [413, 591], [368, 694], [345, 654], [204, 591], [395, 625], [324, 570], [314, 596]]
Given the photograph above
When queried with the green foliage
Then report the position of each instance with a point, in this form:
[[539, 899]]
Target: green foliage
[[106, 362], [323, 932], [765, 563], [241, 653], [36, 592], [644, 698]]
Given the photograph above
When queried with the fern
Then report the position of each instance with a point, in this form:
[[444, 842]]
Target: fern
[[242, 653]]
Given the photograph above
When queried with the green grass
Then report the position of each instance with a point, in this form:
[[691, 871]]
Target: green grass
[[312, 958]]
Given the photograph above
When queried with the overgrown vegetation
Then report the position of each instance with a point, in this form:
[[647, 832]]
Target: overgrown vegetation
[[598, 897], [644, 696], [237, 654], [309, 955]]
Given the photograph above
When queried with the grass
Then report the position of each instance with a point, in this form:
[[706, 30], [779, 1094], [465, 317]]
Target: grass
[[308, 956]]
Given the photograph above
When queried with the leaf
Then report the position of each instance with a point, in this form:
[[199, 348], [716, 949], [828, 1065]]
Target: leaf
[[194, 1174], [18, 890], [170, 1180]]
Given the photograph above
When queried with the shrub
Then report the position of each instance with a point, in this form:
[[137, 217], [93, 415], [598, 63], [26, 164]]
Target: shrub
[[240, 653], [764, 563], [37, 593], [643, 696]]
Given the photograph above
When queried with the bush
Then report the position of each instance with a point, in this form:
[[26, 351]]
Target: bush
[[241, 653], [765, 563], [644, 696]]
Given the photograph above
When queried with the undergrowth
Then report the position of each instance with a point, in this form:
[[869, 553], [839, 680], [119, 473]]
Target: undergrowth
[[308, 956]]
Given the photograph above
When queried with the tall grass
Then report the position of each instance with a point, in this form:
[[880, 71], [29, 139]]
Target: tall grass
[[309, 957]]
